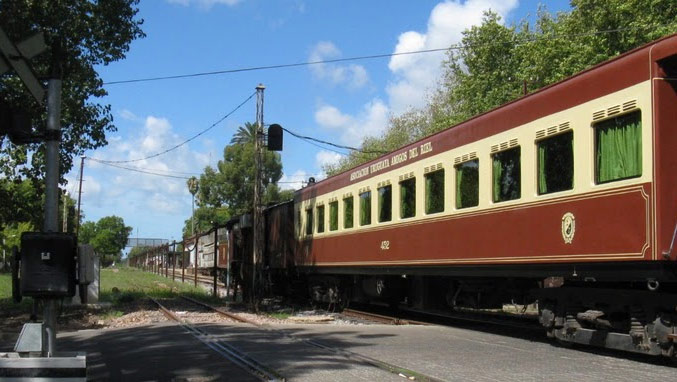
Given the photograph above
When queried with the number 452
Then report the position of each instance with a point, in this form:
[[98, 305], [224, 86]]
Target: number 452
[[385, 245]]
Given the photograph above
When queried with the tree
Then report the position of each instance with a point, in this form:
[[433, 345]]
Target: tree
[[205, 218], [80, 34], [496, 62], [108, 236], [244, 135], [231, 184]]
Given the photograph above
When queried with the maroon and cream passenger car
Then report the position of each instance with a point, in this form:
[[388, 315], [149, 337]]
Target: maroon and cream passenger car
[[567, 196]]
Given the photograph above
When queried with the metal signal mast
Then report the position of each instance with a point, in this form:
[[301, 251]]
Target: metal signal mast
[[257, 254]]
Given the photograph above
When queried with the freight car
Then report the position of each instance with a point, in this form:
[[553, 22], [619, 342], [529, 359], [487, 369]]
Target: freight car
[[567, 196]]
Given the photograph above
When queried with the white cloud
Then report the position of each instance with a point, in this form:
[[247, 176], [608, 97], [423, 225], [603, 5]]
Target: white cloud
[[352, 76], [128, 115], [416, 74], [295, 181], [166, 195], [204, 4], [324, 158], [371, 121]]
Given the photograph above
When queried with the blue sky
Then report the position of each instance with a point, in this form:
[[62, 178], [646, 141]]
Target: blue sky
[[341, 102]]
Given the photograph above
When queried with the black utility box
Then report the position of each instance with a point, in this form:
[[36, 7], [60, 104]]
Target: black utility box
[[48, 264]]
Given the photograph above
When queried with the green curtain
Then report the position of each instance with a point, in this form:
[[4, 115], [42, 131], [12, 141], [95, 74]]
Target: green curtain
[[320, 219], [348, 212], [408, 198], [333, 216], [434, 192], [619, 148], [459, 181], [365, 208], [542, 183], [385, 203], [496, 173]]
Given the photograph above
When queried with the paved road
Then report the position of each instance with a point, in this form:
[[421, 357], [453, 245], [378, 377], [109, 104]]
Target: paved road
[[164, 352]]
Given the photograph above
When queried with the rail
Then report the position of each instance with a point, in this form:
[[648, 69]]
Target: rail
[[227, 351], [352, 356]]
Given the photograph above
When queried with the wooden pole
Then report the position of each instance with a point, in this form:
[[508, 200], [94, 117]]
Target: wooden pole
[[216, 255]]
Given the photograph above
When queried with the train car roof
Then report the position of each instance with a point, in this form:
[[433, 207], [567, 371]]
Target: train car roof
[[617, 73]]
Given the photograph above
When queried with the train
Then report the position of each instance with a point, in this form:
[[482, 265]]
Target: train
[[565, 198]]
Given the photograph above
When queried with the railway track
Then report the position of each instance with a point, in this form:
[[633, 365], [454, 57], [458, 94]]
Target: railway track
[[222, 348], [347, 354]]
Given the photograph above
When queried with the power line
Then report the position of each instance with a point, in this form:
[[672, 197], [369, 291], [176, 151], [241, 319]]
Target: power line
[[184, 142], [373, 56], [268, 67], [307, 138]]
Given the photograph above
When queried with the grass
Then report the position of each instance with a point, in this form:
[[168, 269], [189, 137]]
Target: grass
[[8, 305], [125, 285], [119, 286]]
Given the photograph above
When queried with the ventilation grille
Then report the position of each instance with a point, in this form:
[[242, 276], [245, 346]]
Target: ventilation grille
[[364, 189], [465, 158], [347, 195], [504, 145], [552, 130], [333, 199], [320, 204], [406, 176], [384, 183], [613, 110], [432, 168]]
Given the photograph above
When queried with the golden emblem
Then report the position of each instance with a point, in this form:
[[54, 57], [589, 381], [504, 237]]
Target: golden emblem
[[568, 227]]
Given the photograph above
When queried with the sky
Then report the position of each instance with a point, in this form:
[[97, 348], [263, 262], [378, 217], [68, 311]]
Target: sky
[[339, 102]]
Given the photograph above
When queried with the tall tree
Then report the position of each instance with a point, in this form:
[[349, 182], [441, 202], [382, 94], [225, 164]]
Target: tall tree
[[245, 134], [495, 62], [108, 236], [81, 34]]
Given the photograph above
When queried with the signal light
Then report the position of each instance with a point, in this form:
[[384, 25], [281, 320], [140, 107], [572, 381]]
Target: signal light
[[275, 137]]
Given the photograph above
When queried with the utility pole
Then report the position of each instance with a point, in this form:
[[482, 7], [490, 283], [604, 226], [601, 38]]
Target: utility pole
[[82, 167], [64, 223], [257, 254], [51, 223]]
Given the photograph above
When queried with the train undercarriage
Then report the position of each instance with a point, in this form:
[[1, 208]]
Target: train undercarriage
[[639, 317]]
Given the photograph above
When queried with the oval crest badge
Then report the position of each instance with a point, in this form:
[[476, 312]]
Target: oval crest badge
[[568, 227]]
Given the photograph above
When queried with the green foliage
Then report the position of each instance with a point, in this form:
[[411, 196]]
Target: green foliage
[[88, 33], [205, 218], [228, 189], [245, 134], [136, 251], [125, 285], [496, 63], [108, 236]]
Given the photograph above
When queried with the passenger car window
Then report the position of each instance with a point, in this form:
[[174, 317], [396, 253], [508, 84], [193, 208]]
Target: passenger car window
[[385, 203], [365, 208], [618, 148], [408, 198], [309, 221], [467, 184], [434, 192], [320, 219], [333, 216], [506, 173], [348, 209], [556, 163]]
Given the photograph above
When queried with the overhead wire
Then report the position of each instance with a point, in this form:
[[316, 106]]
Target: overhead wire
[[308, 138], [187, 140], [370, 57]]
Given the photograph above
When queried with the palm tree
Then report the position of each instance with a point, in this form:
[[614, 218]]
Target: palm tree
[[245, 134]]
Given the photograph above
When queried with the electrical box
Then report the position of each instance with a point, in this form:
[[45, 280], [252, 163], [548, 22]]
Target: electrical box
[[48, 264]]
